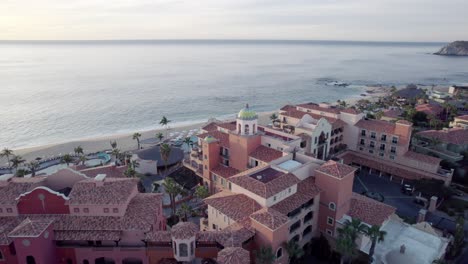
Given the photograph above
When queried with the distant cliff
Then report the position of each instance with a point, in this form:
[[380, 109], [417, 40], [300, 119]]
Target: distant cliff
[[456, 48]]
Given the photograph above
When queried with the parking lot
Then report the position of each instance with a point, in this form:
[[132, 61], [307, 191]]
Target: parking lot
[[391, 192]]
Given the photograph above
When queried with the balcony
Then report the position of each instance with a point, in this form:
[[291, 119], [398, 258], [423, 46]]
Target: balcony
[[295, 227]]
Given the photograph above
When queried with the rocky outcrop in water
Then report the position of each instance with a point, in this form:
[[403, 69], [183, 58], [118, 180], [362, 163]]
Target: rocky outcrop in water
[[456, 48]]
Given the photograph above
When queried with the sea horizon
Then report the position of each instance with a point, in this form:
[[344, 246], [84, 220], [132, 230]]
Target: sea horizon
[[66, 90]]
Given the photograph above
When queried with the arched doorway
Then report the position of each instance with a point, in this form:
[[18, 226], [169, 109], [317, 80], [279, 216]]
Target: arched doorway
[[30, 260]]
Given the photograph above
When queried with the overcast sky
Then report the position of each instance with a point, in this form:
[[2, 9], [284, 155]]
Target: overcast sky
[[379, 20]]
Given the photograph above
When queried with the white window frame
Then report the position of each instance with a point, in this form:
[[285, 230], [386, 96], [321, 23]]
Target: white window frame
[[332, 221]]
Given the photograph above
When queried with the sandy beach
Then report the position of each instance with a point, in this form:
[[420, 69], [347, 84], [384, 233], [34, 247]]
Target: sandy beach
[[126, 143]]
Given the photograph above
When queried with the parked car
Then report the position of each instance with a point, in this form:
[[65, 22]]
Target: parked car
[[407, 189]]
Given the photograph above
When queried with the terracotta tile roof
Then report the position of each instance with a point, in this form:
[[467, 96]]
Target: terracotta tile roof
[[430, 109], [232, 236], [376, 125], [335, 169], [112, 191], [233, 255], [93, 235], [350, 111], [142, 212], [421, 157], [393, 113], [313, 106], [224, 171], [462, 117], [87, 223], [291, 111], [234, 206], [404, 122], [158, 236], [306, 190], [270, 218], [228, 125], [111, 171], [184, 230], [223, 138], [368, 210], [7, 224], [10, 190], [212, 126], [266, 154], [386, 166], [336, 124], [31, 228], [265, 189], [457, 136]]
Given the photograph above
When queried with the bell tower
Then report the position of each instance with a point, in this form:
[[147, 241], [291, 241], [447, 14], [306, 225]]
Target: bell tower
[[247, 122]]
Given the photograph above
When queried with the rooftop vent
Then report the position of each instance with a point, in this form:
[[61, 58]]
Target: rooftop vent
[[259, 177]]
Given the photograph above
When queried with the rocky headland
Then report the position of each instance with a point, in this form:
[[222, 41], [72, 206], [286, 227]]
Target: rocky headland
[[456, 48]]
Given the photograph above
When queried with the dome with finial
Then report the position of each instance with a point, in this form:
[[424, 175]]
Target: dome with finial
[[247, 114]]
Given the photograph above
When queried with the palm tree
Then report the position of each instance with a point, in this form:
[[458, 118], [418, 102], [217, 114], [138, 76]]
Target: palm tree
[[130, 172], [202, 192], [295, 252], [136, 137], [265, 255], [184, 211], [134, 164], [187, 141], [165, 122], [159, 136], [67, 159], [116, 153], [435, 141], [172, 189], [343, 104], [83, 159], [346, 247], [78, 150], [273, 117], [33, 166], [376, 236], [7, 153], [165, 153], [113, 144], [16, 161]]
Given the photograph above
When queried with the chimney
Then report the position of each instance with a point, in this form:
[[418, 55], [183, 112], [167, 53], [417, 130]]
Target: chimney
[[432, 204], [421, 216]]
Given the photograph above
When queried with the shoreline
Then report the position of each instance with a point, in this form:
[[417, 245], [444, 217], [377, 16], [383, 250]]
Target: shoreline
[[126, 143]]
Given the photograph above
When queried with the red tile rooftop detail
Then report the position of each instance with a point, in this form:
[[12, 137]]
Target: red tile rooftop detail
[[31, 228], [266, 154], [142, 212], [368, 210], [228, 125], [12, 189], [350, 111], [111, 171], [313, 106], [232, 236], [235, 206], [223, 138], [335, 169], [306, 190], [184, 230], [212, 126], [291, 111], [265, 189], [87, 235], [404, 122], [233, 255], [457, 136], [270, 218], [112, 191], [376, 125], [158, 236], [7, 224], [392, 113], [463, 117], [422, 158], [224, 171], [430, 109]]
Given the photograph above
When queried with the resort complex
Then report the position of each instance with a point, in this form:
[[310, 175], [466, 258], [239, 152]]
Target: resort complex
[[270, 188]]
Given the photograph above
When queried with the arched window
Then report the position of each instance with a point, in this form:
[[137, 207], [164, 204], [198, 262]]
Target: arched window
[[175, 248], [1, 255], [239, 128], [279, 253], [332, 206], [247, 129], [30, 260], [254, 129], [183, 250]]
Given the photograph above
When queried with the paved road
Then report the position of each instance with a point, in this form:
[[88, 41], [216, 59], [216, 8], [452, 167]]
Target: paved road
[[391, 192]]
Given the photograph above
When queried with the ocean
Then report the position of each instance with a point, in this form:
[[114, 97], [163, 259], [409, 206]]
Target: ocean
[[53, 91]]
